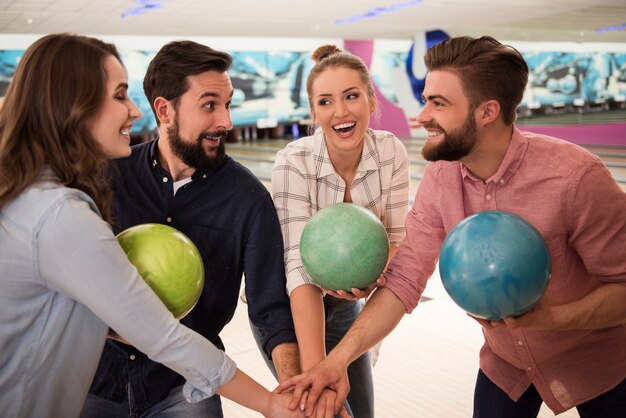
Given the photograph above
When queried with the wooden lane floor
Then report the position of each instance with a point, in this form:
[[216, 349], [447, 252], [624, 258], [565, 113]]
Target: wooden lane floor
[[259, 156], [426, 368]]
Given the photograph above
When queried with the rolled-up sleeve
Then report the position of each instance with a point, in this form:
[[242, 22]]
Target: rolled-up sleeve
[[415, 261], [268, 305], [292, 201]]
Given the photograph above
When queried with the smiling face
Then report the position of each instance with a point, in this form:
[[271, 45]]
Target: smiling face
[[199, 122], [342, 108], [448, 117], [112, 124]]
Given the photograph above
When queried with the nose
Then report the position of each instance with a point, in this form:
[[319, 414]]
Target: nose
[[341, 109], [424, 115], [133, 111], [223, 120]]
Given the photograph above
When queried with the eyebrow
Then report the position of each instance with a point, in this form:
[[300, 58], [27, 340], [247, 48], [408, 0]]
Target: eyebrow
[[213, 94], [122, 85], [435, 96], [344, 91]]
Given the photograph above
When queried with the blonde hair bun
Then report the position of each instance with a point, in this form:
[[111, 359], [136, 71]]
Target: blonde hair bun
[[325, 51]]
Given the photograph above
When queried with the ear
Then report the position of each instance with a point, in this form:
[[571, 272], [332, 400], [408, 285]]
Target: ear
[[313, 116], [488, 112], [163, 109], [373, 104]]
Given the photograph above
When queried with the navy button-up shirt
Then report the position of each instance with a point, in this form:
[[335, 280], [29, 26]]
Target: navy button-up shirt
[[229, 215]]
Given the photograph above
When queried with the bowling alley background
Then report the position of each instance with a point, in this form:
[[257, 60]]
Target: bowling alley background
[[587, 80]]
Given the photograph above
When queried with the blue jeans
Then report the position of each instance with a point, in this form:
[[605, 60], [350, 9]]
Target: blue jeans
[[173, 406], [340, 314], [492, 402]]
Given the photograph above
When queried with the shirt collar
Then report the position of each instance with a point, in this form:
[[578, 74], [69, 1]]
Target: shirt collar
[[370, 160], [510, 163], [369, 155]]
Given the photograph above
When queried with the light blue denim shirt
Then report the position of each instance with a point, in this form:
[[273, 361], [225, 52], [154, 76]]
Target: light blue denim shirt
[[64, 280]]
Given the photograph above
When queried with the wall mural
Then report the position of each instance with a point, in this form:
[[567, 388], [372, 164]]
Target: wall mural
[[270, 87], [559, 79]]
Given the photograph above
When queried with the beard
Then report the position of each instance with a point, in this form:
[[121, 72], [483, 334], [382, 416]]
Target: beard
[[192, 153], [455, 145]]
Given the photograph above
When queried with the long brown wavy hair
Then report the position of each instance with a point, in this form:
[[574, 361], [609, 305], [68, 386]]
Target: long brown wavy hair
[[57, 90]]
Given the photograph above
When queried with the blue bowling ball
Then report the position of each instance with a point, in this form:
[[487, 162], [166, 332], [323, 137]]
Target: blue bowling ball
[[495, 264]]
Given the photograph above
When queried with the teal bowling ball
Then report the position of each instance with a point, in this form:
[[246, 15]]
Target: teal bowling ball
[[169, 263], [344, 246], [495, 264]]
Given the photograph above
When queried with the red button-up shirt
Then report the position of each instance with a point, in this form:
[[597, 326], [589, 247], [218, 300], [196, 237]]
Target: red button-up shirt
[[572, 199]]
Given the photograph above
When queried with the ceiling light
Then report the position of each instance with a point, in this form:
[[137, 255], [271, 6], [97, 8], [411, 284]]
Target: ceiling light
[[611, 28], [142, 6], [376, 12]]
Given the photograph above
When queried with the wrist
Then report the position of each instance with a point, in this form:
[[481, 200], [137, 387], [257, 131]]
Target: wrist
[[309, 361], [265, 407], [339, 358]]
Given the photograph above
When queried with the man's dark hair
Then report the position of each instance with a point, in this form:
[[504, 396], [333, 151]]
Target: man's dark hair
[[168, 71], [487, 69]]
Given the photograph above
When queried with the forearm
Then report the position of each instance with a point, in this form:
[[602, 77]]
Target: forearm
[[603, 308], [286, 359], [381, 315], [245, 391], [307, 308]]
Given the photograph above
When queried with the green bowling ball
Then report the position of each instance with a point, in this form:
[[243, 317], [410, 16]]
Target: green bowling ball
[[344, 246], [168, 261]]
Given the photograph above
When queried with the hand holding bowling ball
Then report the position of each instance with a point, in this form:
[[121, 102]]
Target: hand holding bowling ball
[[494, 264], [168, 261], [344, 246]]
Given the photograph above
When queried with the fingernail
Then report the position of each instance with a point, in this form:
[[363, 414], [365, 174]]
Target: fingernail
[[301, 407]]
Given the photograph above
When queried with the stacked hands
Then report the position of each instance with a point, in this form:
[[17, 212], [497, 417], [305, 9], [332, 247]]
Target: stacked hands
[[322, 390]]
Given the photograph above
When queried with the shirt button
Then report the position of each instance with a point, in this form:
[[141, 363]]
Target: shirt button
[[204, 176], [164, 179], [132, 357], [488, 197], [168, 219], [520, 342], [528, 369], [501, 181]]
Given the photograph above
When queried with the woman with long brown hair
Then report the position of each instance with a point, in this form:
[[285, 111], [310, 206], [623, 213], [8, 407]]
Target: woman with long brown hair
[[64, 279]]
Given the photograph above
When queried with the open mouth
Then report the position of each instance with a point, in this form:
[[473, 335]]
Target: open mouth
[[214, 140], [433, 133], [344, 129]]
